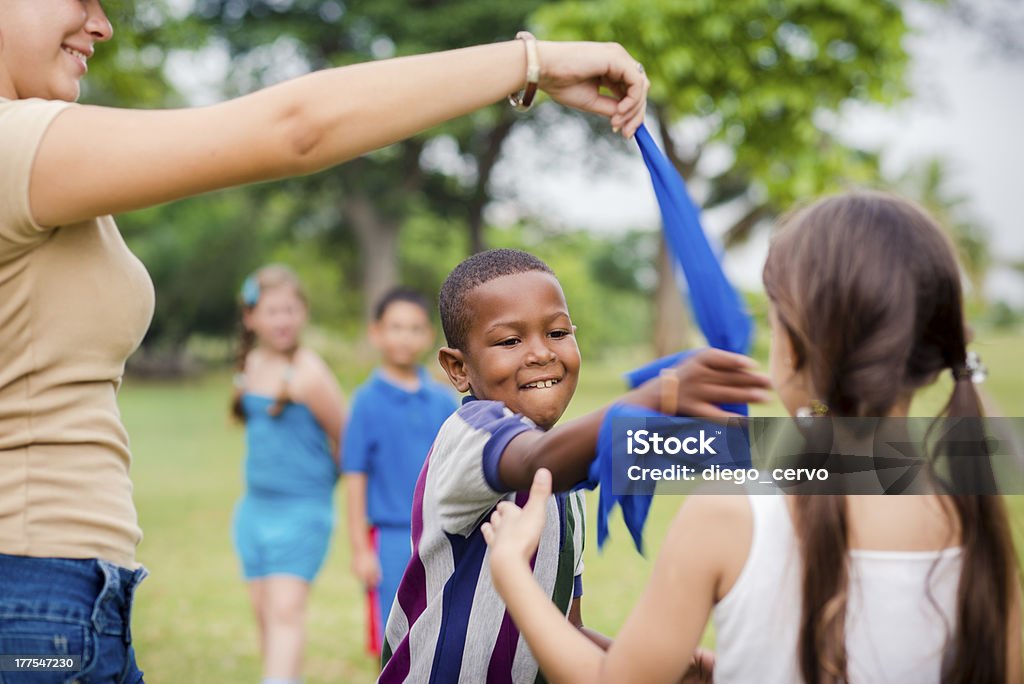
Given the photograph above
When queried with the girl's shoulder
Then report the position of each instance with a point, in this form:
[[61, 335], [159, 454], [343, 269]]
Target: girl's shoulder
[[310, 374], [307, 365], [266, 374], [719, 528]]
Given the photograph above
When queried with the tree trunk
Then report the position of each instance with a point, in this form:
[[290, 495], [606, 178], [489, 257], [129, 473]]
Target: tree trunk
[[378, 247], [486, 160], [673, 330], [672, 327]]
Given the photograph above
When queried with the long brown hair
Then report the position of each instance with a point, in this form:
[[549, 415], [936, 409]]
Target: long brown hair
[[867, 288], [267, 278]]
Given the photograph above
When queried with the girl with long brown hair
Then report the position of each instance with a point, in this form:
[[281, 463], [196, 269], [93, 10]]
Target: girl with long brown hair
[[866, 309]]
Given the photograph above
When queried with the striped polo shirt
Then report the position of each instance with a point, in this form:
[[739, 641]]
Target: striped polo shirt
[[448, 623]]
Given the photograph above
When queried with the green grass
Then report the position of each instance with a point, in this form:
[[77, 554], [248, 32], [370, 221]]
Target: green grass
[[192, 620]]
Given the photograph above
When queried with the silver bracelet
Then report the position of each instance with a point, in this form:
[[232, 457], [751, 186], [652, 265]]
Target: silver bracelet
[[523, 100]]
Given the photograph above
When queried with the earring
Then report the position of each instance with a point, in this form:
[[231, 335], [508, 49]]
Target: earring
[[806, 414]]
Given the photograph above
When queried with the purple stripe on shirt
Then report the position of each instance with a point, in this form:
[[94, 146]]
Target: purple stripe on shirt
[[499, 669], [479, 414]]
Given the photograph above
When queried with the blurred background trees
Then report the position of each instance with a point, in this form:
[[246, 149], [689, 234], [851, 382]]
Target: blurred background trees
[[746, 98]]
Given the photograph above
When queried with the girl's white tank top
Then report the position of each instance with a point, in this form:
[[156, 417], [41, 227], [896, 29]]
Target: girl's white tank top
[[900, 610]]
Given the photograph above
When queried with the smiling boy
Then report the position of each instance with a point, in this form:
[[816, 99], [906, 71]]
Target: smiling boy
[[512, 347]]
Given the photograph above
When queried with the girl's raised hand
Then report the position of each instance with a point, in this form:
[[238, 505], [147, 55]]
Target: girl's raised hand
[[513, 533]]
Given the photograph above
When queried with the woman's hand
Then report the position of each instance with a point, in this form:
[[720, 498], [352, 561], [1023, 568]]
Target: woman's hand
[[573, 74], [513, 533]]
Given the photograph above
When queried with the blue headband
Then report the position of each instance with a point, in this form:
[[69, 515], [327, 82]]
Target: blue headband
[[250, 291]]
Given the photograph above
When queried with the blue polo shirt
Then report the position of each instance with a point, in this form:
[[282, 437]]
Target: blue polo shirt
[[389, 433]]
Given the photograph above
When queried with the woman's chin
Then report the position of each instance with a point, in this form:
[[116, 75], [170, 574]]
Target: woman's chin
[[69, 92]]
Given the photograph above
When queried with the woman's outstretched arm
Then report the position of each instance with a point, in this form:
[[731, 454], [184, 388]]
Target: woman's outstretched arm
[[95, 161]]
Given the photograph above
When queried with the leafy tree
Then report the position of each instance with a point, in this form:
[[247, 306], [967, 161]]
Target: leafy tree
[[129, 70], [197, 252], [602, 277], [760, 84], [929, 184], [375, 196]]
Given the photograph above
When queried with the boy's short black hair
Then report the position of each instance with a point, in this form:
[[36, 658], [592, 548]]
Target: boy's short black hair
[[471, 273], [400, 294]]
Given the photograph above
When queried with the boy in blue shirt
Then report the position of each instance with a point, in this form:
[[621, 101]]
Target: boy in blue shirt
[[395, 416]]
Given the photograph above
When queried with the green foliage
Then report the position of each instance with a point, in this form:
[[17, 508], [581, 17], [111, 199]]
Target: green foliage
[[1002, 316], [429, 248], [608, 314], [269, 40], [602, 276], [759, 78], [129, 70], [929, 184], [198, 253]]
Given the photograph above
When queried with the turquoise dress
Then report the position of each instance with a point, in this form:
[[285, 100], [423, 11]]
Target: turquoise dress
[[284, 521]]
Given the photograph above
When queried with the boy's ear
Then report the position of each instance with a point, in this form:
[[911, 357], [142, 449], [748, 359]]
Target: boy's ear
[[453, 361]]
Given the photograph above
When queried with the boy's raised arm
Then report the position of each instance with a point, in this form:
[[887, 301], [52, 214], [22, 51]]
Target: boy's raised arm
[[705, 379]]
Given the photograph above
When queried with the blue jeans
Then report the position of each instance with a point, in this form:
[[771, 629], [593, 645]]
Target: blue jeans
[[57, 607]]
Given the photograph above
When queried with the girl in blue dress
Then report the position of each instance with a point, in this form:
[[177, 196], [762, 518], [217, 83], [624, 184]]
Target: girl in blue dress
[[293, 412]]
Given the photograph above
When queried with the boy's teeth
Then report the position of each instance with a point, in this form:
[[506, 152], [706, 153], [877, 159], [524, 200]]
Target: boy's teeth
[[543, 384]]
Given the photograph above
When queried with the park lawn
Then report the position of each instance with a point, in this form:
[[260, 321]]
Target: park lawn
[[192, 620]]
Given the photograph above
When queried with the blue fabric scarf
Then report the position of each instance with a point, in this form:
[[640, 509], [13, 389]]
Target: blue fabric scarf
[[716, 306]]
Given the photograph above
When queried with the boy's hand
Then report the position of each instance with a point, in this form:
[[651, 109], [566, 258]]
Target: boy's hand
[[366, 568], [702, 381], [513, 533]]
